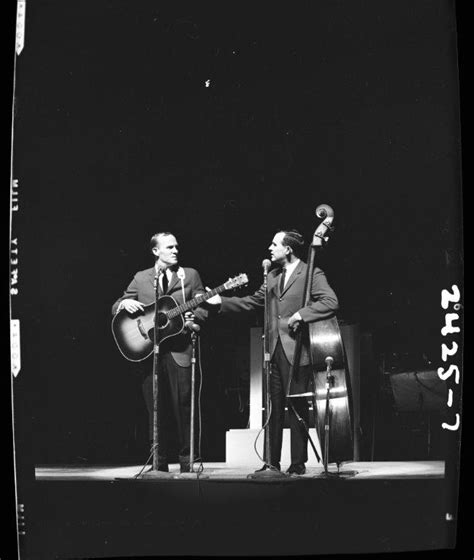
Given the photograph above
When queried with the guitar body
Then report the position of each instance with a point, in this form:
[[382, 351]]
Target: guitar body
[[134, 333], [325, 340]]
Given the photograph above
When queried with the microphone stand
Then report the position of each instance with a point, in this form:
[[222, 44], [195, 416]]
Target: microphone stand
[[192, 473], [327, 412], [194, 335], [269, 471], [154, 472]]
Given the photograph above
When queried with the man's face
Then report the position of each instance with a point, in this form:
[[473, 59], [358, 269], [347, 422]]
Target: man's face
[[166, 250], [278, 251]]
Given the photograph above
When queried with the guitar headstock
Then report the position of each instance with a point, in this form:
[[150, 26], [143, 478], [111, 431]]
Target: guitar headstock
[[240, 280]]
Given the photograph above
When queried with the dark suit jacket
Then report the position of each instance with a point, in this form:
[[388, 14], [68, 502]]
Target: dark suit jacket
[[142, 289], [281, 306]]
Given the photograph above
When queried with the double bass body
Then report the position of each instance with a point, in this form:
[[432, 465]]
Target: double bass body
[[326, 341]]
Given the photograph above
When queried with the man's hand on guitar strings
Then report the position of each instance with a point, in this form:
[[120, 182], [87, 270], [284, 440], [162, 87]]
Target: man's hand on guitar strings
[[131, 305]]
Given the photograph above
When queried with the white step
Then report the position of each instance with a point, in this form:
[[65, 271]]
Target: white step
[[240, 448]]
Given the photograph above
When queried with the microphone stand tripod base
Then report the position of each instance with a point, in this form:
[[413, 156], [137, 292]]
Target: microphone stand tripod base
[[336, 474], [267, 474], [155, 475], [190, 475]]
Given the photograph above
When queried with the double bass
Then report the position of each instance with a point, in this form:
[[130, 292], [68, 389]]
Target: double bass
[[332, 397]]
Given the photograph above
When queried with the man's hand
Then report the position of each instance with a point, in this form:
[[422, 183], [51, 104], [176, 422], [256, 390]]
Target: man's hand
[[131, 305], [294, 321], [214, 300]]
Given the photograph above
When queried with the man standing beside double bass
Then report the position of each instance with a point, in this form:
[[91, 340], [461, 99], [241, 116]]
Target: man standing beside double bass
[[285, 289]]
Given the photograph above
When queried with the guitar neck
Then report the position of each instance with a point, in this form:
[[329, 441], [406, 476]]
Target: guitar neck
[[192, 303]]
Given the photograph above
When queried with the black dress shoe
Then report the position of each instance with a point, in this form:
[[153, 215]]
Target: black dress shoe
[[184, 467], [265, 467], [163, 467], [297, 468]]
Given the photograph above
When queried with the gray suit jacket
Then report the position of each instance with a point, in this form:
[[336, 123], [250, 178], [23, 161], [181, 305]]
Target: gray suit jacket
[[281, 306]]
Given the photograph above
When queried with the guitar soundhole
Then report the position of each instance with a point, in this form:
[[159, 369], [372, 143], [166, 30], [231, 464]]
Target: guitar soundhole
[[162, 320]]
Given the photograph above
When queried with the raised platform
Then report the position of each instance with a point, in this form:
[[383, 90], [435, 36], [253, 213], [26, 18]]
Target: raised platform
[[104, 511]]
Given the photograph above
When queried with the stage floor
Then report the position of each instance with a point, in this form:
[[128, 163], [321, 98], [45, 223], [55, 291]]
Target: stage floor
[[93, 511], [220, 471]]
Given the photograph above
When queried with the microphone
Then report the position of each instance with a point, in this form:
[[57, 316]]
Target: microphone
[[266, 263], [193, 327]]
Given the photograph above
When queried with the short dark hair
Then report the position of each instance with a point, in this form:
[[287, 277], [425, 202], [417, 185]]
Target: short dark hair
[[294, 240], [154, 238]]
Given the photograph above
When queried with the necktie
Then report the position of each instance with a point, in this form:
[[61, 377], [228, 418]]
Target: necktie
[[164, 280], [282, 280]]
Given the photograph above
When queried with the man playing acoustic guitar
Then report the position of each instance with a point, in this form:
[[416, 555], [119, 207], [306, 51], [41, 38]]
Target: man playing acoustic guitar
[[183, 284]]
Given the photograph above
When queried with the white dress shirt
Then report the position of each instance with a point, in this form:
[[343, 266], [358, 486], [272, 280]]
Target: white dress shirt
[[290, 268], [168, 273]]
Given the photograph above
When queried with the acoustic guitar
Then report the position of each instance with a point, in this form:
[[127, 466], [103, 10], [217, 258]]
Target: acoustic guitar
[[134, 333]]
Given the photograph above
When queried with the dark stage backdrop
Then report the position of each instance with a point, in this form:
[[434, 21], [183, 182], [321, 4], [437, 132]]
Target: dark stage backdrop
[[222, 124]]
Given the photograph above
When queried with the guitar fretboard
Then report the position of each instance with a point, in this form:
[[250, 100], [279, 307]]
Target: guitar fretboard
[[192, 303]]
